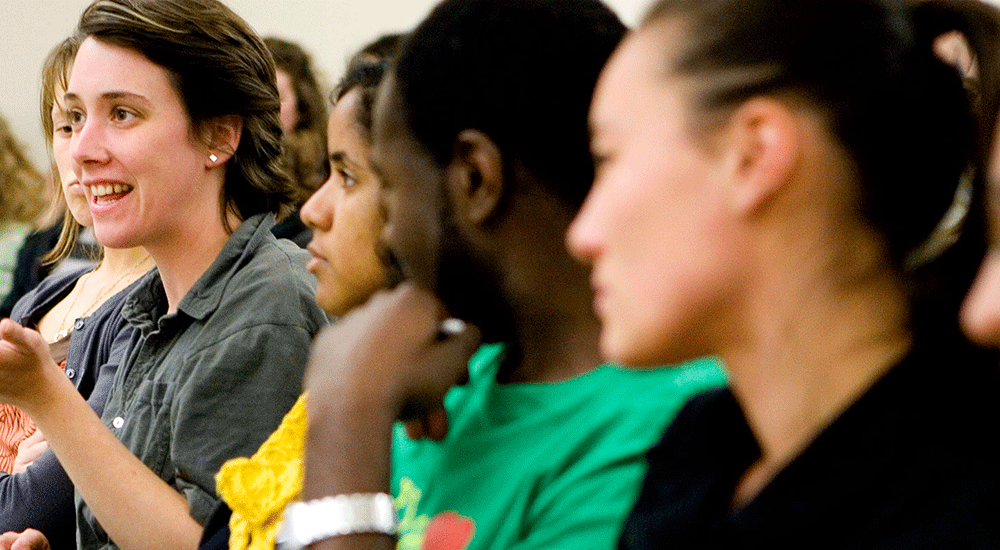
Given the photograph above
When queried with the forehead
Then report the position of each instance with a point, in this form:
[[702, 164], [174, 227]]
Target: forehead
[[284, 81], [100, 67], [638, 67], [344, 110], [343, 126]]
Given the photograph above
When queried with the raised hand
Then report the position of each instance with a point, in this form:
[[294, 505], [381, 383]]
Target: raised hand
[[26, 367], [393, 353]]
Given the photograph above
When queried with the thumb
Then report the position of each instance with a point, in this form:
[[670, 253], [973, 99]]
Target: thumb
[[23, 339], [31, 539], [458, 339], [7, 539]]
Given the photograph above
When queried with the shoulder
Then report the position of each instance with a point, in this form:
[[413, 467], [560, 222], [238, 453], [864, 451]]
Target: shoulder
[[272, 286], [642, 395], [699, 421], [46, 292]]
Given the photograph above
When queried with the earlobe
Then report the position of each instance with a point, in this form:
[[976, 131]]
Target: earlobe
[[764, 141], [475, 177], [222, 135]]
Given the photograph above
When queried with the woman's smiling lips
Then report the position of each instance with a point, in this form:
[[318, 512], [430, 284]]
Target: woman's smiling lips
[[101, 192]]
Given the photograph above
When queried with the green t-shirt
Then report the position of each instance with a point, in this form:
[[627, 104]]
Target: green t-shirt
[[541, 466]]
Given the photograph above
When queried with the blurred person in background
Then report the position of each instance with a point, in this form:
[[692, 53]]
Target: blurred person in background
[[303, 123]]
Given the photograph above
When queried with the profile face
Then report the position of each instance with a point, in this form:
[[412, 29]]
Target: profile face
[[62, 132], [345, 217], [420, 229], [133, 150], [655, 227], [981, 310], [410, 192]]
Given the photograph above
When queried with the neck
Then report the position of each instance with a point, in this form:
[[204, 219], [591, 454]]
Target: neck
[[813, 346], [185, 256], [549, 294], [118, 261], [556, 342]]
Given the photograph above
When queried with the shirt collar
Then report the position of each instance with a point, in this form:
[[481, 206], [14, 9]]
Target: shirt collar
[[148, 302]]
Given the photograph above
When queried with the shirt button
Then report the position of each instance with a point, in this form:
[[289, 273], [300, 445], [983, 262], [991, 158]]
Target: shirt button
[[118, 422], [70, 373], [78, 324]]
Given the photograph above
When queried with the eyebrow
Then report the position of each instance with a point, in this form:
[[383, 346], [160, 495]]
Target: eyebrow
[[113, 95], [341, 157]]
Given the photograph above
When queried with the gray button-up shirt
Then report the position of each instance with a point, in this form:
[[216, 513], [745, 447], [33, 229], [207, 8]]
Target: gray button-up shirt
[[213, 380]]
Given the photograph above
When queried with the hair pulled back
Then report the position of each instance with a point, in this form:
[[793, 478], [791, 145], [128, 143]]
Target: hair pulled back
[[305, 144], [901, 113], [365, 72], [292, 59], [55, 76]]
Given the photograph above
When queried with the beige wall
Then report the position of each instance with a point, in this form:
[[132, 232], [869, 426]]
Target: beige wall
[[330, 29]]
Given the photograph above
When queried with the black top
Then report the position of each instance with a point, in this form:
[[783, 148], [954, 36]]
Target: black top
[[912, 464]]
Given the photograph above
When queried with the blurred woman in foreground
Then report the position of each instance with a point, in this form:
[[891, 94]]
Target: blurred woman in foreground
[[795, 230]]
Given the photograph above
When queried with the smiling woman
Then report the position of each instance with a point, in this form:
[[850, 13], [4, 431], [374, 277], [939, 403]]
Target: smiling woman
[[78, 313], [174, 137]]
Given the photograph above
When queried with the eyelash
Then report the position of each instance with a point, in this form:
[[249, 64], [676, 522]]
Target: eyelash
[[62, 128], [76, 117], [348, 179], [121, 111]]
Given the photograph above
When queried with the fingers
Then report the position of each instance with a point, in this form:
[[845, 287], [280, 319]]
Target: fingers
[[7, 539], [31, 540], [24, 340], [12, 332], [436, 424], [29, 450], [431, 425], [414, 428]]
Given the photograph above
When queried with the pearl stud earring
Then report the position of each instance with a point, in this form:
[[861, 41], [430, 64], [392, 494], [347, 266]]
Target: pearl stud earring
[[212, 157]]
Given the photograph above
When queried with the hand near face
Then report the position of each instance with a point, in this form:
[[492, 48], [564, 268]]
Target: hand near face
[[30, 539], [24, 365], [392, 353], [29, 450]]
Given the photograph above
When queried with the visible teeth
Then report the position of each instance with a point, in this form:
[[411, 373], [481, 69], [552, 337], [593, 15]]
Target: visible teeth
[[104, 190]]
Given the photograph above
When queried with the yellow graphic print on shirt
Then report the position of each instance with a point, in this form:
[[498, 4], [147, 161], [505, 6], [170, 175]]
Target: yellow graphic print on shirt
[[411, 526], [445, 531]]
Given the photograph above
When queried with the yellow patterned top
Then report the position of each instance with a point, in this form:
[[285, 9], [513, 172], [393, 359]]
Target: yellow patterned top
[[258, 488]]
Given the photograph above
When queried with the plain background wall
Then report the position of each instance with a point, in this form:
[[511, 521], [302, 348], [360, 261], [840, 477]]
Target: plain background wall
[[331, 30]]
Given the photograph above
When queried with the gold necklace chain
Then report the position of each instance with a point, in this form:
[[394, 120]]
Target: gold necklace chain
[[65, 330]]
